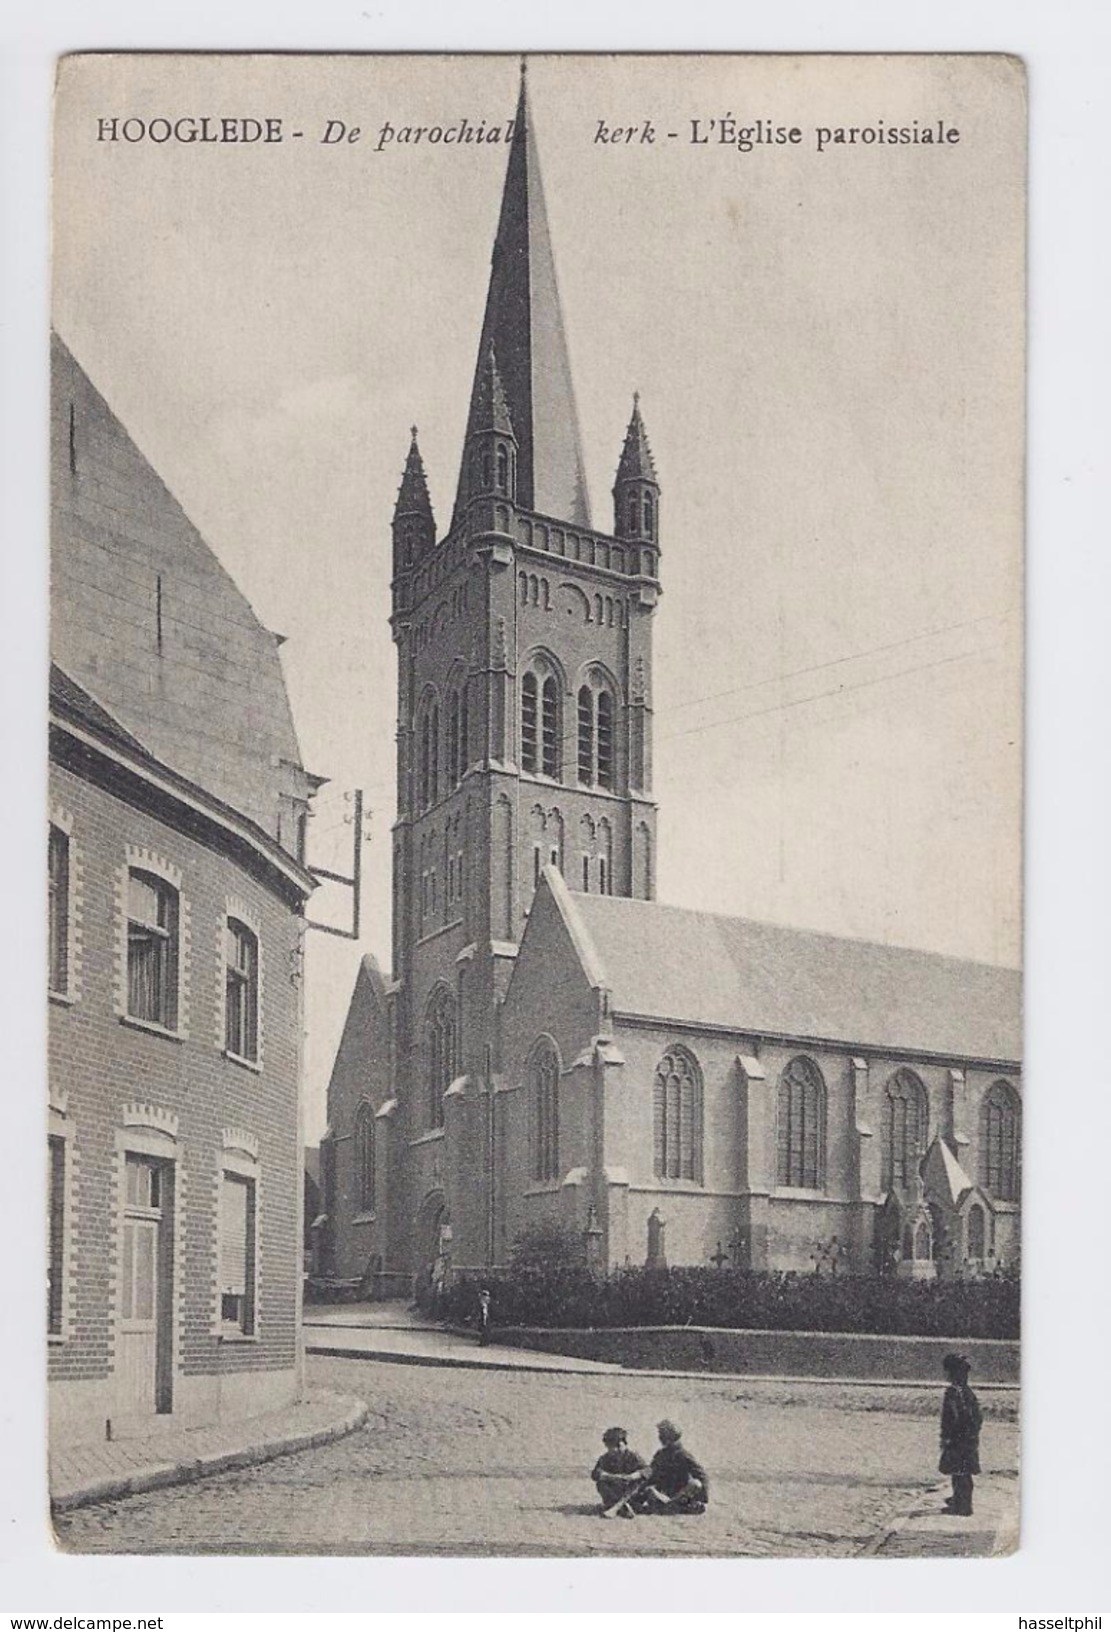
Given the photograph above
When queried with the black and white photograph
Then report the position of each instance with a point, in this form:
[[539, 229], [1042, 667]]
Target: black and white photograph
[[535, 783]]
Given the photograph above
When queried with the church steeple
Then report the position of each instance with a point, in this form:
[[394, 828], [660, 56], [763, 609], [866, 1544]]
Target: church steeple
[[636, 491], [414, 526], [523, 325]]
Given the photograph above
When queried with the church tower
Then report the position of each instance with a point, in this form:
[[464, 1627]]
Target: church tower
[[524, 646]]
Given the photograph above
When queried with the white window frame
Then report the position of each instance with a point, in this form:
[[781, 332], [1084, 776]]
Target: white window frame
[[238, 1160]]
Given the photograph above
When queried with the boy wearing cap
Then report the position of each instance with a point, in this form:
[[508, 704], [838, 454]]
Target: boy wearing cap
[[618, 1474], [677, 1483], [960, 1435]]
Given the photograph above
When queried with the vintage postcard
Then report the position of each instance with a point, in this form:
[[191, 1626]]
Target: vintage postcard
[[535, 804]]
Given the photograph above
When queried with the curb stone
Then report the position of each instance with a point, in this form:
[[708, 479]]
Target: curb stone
[[187, 1469]]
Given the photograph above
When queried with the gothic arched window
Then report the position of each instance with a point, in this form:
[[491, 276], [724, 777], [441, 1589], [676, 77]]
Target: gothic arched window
[[649, 515], [428, 752], [364, 1158], [440, 1034], [544, 1101], [800, 1128], [677, 1117], [503, 470], [1000, 1135], [976, 1232], [586, 734], [549, 727], [529, 690], [905, 1129], [453, 771], [596, 755], [541, 692], [605, 740]]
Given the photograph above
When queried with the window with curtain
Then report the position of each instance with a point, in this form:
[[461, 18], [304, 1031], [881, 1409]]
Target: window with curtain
[[237, 1253], [152, 950], [677, 1117], [800, 1126], [1000, 1142], [240, 991]]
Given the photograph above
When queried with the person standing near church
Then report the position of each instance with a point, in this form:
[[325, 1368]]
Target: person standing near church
[[960, 1435]]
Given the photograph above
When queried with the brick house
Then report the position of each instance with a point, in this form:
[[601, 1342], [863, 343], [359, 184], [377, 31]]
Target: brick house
[[178, 806], [553, 1043]]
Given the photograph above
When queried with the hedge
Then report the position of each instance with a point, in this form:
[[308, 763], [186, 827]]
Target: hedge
[[572, 1296]]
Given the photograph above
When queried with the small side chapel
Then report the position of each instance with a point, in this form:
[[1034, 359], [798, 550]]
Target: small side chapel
[[553, 1043]]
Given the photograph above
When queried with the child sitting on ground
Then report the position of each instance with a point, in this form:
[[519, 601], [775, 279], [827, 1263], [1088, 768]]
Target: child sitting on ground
[[618, 1475], [676, 1482]]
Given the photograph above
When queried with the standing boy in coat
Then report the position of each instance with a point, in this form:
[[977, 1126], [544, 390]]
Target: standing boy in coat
[[960, 1435]]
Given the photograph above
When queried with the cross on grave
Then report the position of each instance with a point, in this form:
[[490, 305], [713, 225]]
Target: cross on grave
[[719, 1257]]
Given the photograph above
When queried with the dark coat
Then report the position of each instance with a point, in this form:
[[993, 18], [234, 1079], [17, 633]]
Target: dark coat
[[673, 1467], [960, 1430]]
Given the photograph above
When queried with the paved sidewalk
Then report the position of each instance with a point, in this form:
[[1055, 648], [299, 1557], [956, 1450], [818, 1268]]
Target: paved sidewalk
[[429, 1345], [80, 1474], [924, 1530]]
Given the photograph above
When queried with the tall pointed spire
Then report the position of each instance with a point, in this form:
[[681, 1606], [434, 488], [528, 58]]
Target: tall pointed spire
[[636, 462], [414, 526], [524, 326], [636, 490]]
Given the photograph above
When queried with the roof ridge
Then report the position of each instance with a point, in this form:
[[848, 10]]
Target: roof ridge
[[797, 929]]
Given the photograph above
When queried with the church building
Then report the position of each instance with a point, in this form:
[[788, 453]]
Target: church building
[[554, 1045]]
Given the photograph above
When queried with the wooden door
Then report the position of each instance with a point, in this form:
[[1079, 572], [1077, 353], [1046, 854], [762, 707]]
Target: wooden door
[[145, 1292]]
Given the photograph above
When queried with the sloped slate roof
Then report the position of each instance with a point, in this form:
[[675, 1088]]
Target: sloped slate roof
[[767, 979], [66, 694]]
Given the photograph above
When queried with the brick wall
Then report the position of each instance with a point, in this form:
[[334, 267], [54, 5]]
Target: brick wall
[[202, 1101]]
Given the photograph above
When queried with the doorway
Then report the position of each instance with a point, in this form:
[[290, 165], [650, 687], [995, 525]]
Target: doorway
[[146, 1288]]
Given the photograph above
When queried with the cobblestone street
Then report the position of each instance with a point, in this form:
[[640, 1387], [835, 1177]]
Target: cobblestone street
[[460, 1461]]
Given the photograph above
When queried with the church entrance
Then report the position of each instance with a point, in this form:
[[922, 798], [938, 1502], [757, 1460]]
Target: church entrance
[[433, 1251]]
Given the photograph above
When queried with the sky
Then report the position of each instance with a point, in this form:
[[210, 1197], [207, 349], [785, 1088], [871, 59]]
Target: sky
[[828, 348]]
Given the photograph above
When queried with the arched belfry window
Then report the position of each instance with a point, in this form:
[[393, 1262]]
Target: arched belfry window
[[677, 1117], [596, 714], [1000, 1142], [428, 753], [541, 693], [503, 469], [364, 1158], [544, 1111], [649, 515], [906, 1117], [441, 1043], [800, 1126]]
